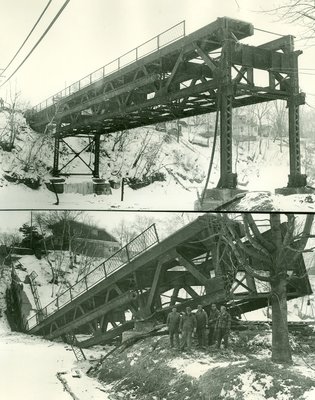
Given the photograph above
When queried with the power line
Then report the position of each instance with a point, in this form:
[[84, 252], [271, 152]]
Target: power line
[[272, 33], [37, 43], [32, 30]]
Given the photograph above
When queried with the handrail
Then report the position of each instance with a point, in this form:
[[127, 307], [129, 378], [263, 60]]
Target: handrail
[[127, 253], [135, 53]]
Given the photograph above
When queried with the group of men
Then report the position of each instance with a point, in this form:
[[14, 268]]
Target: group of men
[[188, 323]]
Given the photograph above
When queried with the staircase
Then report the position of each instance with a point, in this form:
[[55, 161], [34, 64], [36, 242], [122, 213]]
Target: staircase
[[77, 350]]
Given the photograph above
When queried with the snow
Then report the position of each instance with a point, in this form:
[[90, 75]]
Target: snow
[[29, 366], [34, 363], [309, 395], [157, 196], [197, 367], [250, 388]]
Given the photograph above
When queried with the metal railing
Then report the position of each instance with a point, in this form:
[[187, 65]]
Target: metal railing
[[130, 251], [170, 35]]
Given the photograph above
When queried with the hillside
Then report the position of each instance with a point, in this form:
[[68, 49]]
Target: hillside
[[150, 370], [146, 153]]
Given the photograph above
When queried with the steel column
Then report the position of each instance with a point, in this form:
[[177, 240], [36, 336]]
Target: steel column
[[96, 172], [227, 178], [296, 179], [55, 171]]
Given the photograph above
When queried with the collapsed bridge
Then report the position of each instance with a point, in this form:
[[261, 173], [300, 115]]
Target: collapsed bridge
[[147, 277], [174, 76]]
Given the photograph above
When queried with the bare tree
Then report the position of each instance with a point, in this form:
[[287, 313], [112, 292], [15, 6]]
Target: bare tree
[[280, 120], [301, 12], [125, 231], [262, 113], [56, 260], [278, 254], [8, 241]]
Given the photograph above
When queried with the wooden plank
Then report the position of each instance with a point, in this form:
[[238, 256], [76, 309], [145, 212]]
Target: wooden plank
[[191, 292], [192, 269], [155, 285], [205, 57]]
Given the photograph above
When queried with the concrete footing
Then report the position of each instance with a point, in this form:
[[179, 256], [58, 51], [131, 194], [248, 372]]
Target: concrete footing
[[56, 185], [140, 327], [100, 186], [287, 191], [216, 197], [97, 186]]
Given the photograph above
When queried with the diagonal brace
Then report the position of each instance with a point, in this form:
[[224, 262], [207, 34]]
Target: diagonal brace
[[76, 155]]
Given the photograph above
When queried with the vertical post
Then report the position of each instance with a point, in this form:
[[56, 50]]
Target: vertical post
[[136, 53], [158, 41], [250, 282], [156, 233], [55, 171], [96, 172], [227, 178], [127, 252], [122, 189], [296, 179]]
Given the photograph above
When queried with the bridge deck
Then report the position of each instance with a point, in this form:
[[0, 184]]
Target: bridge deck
[[141, 92]]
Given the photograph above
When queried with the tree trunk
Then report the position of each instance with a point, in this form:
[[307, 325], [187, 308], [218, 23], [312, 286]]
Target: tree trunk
[[281, 352]]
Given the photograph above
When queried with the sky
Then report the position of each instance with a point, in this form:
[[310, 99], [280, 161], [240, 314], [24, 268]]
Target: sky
[[89, 34]]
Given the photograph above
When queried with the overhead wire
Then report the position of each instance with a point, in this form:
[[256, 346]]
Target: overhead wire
[[272, 33], [27, 37], [38, 42]]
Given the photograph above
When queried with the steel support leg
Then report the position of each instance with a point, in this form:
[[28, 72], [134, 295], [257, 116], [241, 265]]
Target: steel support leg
[[96, 172], [227, 178], [55, 171], [296, 179]]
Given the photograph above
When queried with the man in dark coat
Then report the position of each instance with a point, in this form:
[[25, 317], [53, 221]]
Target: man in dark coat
[[202, 322], [172, 323], [212, 320], [187, 326], [223, 327]]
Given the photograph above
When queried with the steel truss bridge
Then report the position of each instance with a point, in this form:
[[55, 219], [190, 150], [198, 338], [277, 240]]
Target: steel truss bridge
[[148, 277], [175, 76]]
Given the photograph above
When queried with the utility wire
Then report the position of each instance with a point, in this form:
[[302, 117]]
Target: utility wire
[[37, 43], [32, 30], [272, 33]]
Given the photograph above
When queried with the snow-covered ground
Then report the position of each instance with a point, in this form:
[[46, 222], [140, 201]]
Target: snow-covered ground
[[29, 365]]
